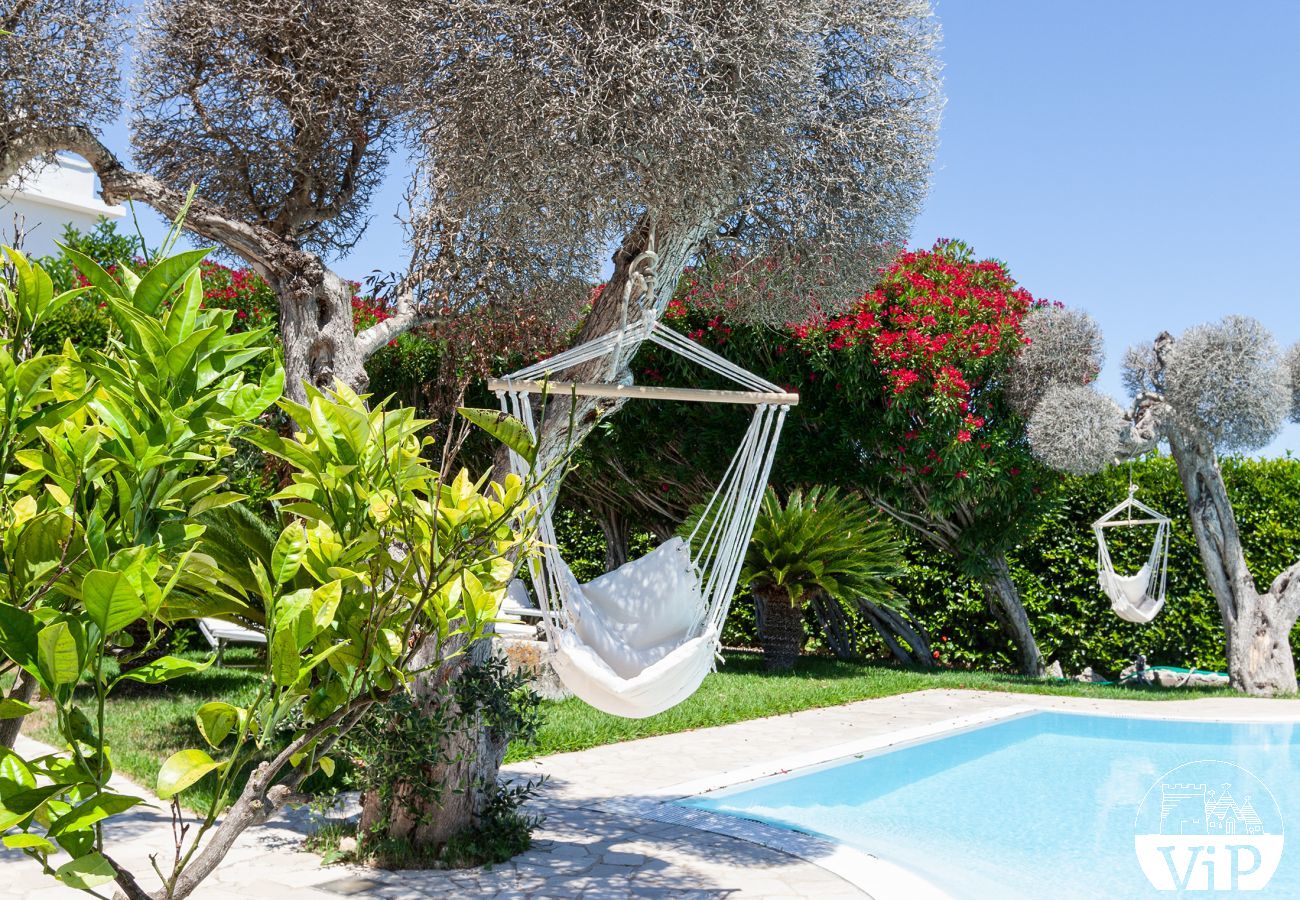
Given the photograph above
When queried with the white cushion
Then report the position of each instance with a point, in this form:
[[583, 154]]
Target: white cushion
[[649, 601], [1128, 595], [661, 686], [1130, 588]]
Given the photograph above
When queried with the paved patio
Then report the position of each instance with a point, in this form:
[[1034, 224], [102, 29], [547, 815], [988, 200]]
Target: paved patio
[[595, 843]]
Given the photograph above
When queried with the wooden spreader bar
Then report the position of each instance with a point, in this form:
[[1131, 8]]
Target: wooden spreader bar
[[643, 392]]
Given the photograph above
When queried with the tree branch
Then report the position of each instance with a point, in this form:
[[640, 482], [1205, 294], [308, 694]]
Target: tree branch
[[257, 245], [379, 334], [1286, 588], [258, 801], [127, 886]]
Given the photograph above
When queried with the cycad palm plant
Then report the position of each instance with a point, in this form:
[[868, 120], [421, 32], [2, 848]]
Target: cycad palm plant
[[819, 542]]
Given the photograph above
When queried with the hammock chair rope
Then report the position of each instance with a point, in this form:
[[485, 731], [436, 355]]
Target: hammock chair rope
[[641, 639], [1137, 598]]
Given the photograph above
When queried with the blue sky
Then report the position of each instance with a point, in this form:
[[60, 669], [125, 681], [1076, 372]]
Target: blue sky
[[1135, 159]]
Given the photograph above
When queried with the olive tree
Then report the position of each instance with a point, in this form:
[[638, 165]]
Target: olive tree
[[284, 118], [799, 130], [1218, 388]]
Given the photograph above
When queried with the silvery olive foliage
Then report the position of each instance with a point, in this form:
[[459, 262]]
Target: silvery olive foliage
[[1140, 370], [58, 64], [1292, 361], [796, 129], [284, 113], [1075, 429], [540, 135], [1065, 347], [1227, 380]]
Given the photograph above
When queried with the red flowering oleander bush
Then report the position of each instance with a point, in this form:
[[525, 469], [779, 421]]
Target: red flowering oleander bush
[[242, 290], [921, 361]]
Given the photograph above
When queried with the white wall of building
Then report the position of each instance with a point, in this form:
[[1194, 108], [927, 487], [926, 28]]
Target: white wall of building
[[49, 197]]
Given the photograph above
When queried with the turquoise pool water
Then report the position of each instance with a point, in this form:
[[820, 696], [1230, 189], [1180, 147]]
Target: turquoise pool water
[[1047, 805]]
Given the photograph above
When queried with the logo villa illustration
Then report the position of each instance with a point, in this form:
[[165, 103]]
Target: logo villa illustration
[[1209, 826]]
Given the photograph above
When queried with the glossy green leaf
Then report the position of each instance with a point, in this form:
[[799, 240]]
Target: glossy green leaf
[[58, 655], [164, 669], [94, 273], [285, 659], [29, 842], [18, 807], [286, 559], [14, 709], [164, 278], [15, 775], [110, 600], [505, 428], [216, 720], [18, 635], [181, 770], [86, 873], [184, 313], [98, 807], [325, 602]]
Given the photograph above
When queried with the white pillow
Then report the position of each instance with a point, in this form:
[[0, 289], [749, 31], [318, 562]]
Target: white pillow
[[1131, 588], [652, 600]]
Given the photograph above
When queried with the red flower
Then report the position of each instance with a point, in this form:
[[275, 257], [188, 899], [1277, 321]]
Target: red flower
[[963, 436]]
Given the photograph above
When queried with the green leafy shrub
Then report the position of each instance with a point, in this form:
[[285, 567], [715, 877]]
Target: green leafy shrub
[[109, 458]]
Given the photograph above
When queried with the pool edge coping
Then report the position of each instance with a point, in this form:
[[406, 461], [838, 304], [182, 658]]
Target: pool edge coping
[[876, 877]]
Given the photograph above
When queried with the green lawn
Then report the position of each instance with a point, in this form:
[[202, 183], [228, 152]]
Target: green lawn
[[148, 724], [741, 690]]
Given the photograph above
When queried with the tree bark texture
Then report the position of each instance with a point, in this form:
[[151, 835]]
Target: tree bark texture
[[780, 631], [468, 765], [24, 689], [675, 247], [1004, 602], [1257, 625], [614, 526]]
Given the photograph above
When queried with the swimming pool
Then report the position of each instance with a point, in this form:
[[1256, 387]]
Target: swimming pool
[[1051, 805]]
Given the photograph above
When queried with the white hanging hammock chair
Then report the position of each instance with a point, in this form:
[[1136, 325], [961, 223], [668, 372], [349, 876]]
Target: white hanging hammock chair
[[641, 638], [1139, 597]]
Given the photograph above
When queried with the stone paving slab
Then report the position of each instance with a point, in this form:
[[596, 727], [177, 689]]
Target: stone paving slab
[[584, 850]]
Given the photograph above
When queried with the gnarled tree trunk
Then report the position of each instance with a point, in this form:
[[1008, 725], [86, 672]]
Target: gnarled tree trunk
[[1257, 626], [613, 523], [674, 246], [1000, 593], [320, 344], [1004, 602], [469, 765]]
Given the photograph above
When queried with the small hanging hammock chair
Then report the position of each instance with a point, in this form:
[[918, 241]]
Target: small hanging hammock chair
[[1139, 597], [641, 638]]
